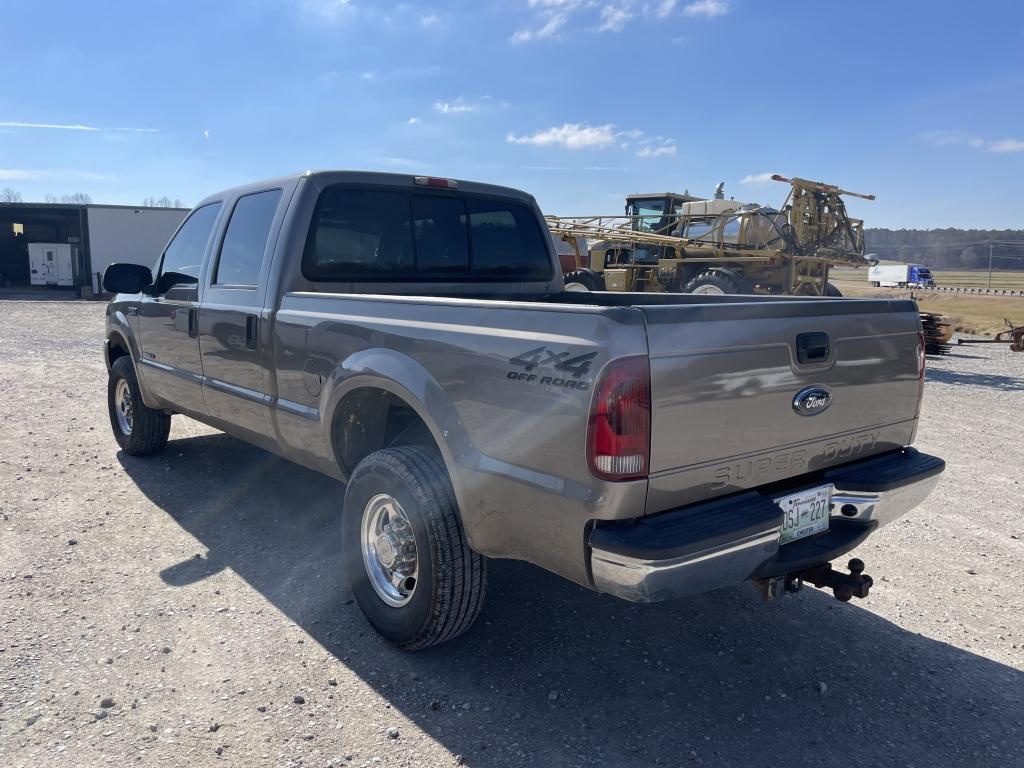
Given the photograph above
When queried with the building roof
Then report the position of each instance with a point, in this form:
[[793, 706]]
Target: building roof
[[77, 206]]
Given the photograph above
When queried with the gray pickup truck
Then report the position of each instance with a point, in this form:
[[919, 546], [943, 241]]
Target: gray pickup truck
[[411, 336]]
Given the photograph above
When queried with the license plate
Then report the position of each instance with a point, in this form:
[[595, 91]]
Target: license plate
[[805, 513]]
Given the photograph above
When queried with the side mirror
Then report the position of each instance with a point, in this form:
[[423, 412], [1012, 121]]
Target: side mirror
[[126, 278]]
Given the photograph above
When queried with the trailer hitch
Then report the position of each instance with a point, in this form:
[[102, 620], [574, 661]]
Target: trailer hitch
[[843, 585]]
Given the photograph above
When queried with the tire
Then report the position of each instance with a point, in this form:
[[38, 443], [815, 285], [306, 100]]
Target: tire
[[584, 280], [450, 578], [138, 429], [831, 290], [712, 283]]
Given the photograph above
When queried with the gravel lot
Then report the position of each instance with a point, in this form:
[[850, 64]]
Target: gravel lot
[[188, 609]]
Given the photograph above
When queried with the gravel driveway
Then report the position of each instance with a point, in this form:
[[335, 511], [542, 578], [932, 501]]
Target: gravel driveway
[[188, 610]]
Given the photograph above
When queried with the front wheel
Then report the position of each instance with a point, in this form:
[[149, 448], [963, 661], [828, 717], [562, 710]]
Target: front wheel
[[138, 429], [584, 280], [405, 553], [712, 283]]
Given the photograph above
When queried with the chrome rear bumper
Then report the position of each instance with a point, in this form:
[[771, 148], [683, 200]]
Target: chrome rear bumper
[[644, 563]]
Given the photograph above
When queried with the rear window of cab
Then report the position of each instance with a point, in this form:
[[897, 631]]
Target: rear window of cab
[[384, 235]]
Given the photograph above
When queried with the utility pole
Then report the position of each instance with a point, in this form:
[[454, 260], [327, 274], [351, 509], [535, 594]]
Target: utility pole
[[990, 265]]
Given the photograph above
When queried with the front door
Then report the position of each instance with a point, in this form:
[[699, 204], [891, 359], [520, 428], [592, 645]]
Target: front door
[[168, 320], [233, 321]]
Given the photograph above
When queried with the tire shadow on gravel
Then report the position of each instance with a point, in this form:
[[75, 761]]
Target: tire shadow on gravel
[[553, 674]]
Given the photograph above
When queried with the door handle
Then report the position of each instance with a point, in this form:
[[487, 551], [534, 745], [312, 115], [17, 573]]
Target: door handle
[[812, 347], [252, 324], [193, 323]]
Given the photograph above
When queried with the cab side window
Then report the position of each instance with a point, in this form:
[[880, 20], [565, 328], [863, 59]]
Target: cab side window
[[183, 258], [241, 253]]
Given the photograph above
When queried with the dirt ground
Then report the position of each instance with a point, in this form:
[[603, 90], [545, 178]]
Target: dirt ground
[[188, 609]]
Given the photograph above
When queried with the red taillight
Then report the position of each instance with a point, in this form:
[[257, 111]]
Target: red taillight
[[619, 436], [434, 181]]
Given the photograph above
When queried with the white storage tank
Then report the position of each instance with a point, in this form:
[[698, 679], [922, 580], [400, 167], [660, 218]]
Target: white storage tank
[[50, 264]]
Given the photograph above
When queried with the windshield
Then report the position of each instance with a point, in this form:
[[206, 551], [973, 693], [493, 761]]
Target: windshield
[[650, 213]]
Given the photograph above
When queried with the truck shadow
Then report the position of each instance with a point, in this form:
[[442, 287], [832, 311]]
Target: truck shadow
[[553, 674], [987, 380]]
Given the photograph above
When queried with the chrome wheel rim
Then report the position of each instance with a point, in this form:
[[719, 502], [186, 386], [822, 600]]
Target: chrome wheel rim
[[123, 406], [389, 550], [709, 290], [576, 288]]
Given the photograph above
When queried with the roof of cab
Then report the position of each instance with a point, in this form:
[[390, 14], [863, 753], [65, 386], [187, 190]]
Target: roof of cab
[[398, 180]]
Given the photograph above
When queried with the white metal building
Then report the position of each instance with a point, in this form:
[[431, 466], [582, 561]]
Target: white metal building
[[84, 239]]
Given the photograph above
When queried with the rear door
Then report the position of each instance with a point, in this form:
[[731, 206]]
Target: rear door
[[726, 379], [233, 332], [168, 319]]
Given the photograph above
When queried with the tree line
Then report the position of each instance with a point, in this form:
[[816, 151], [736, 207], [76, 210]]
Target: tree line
[[948, 248], [8, 195]]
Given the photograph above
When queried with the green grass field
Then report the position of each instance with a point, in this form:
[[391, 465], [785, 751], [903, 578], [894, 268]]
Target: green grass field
[[1001, 280], [969, 313]]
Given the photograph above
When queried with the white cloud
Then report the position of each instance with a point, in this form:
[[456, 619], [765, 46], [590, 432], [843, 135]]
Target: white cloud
[[429, 20], [457, 107], [553, 18], [666, 150], [366, 75], [328, 10], [756, 179], [17, 174], [206, 133], [1005, 145], [73, 127], [568, 135], [664, 8], [614, 18], [11, 174], [413, 121], [56, 126], [706, 9], [552, 22], [949, 138]]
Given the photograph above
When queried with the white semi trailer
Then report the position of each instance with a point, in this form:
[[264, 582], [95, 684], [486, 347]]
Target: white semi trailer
[[900, 276]]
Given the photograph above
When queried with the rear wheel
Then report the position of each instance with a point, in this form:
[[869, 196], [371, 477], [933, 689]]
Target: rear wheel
[[405, 553], [584, 280], [712, 283], [138, 429], [831, 290]]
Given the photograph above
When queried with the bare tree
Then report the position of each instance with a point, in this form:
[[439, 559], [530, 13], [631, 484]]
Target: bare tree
[[164, 202], [8, 195], [178, 203], [79, 198], [48, 198]]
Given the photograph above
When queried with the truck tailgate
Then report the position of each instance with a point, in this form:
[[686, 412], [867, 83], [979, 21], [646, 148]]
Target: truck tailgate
[[724, 378]]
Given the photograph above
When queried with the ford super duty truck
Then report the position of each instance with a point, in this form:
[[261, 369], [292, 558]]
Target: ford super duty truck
[[411, 337]]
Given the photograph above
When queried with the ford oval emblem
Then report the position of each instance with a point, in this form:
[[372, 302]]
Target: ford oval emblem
[[811, 401]]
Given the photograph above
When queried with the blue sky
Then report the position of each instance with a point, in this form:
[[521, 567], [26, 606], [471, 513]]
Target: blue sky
[[576, 101]]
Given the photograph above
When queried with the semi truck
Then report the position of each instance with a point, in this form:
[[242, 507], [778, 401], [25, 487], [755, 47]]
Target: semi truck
[[900, 276]]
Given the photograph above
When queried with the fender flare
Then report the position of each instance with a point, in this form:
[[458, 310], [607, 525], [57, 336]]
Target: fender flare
[[119, 328], [409, 381]]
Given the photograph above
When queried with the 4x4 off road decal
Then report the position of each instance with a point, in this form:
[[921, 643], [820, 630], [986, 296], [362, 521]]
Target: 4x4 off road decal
[[568, 370]]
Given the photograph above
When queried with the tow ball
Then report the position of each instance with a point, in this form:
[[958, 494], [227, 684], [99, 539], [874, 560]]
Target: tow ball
[[856, 583]]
